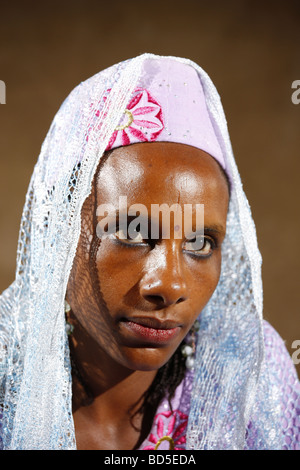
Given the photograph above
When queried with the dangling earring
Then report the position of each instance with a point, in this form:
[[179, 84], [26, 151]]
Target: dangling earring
[[188, 350], [69, 326]]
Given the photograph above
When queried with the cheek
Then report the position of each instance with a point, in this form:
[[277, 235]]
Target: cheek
[[83, 291], [203, 280], [119, 271]]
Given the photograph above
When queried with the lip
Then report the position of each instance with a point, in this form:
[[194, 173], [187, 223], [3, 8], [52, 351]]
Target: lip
[[151, 329]]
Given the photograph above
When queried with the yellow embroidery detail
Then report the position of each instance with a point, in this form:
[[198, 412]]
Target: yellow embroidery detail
[[165, 438], [129, 122]]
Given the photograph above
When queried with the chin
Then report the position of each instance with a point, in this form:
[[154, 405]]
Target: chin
[[147, 359]]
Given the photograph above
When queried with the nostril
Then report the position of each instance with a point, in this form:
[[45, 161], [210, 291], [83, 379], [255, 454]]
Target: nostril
[[163, 294], [155, 299], [160, 300]]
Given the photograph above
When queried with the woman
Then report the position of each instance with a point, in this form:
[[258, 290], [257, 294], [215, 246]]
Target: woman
[[144, 373]]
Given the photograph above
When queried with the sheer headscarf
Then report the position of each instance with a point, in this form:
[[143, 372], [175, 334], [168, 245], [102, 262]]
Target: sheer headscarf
[[231, 384]]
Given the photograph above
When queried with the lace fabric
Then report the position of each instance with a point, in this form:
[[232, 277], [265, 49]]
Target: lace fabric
[[230, 383]]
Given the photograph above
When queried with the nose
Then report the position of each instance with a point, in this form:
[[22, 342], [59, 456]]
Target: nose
[[164, 284]]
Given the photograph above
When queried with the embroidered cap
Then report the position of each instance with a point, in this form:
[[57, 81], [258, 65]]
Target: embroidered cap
[[168, 106]]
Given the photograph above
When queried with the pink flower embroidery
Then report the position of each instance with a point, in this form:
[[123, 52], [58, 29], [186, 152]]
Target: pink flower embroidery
[[170, 427], [142, 121]]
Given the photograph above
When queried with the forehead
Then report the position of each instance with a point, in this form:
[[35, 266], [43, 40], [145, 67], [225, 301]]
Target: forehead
[[161, 173]]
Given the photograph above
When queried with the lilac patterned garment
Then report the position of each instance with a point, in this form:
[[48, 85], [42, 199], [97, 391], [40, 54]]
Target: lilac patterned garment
[[169, 427]]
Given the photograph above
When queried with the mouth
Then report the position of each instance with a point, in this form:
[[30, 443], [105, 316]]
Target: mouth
[[151, 329]]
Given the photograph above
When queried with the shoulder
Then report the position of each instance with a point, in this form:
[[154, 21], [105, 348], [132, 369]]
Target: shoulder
[[277, 357], [282, 376]]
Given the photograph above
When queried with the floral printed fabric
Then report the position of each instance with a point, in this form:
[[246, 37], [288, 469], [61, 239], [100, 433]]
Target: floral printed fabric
[[142, 121], [172, 425], [169, 427]]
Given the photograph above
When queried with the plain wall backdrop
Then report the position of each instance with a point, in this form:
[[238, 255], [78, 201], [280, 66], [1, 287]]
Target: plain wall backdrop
[[249, 48]]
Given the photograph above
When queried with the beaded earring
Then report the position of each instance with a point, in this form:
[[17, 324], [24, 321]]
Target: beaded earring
[[69, 327], [189, 348]]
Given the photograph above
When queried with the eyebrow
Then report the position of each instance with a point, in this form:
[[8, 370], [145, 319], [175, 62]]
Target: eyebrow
[[213, 230], [217, 229]]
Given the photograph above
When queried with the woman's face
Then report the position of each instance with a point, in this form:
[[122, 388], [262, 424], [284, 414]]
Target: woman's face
[[137, 297]]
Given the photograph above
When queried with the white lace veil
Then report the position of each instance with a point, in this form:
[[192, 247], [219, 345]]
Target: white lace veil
[[231, 385]]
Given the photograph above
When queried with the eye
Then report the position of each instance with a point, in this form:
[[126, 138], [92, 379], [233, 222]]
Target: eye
[[135, 238], [200, 246]]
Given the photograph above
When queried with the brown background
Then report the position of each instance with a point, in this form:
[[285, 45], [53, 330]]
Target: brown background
[[251, 49]]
